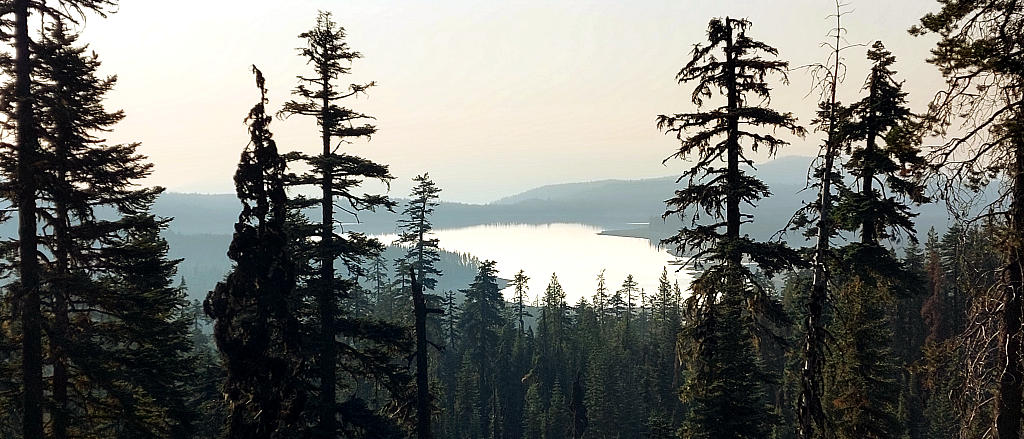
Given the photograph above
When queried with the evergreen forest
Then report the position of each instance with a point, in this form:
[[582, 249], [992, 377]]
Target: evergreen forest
[[852, 322]]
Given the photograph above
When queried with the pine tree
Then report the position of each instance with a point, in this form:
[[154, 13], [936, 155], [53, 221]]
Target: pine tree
[[337, 176], [935, 368], [534, 414], [424, 405], [421, 256], [979, 54], [204, 390], [378, 277], [450, 322], [724, 393], [255, 323], [719, 334], [601, 298], [865, 392], [557, 420]]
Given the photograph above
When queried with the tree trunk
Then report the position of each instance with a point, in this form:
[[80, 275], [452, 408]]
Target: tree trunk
[[732, 208], [60, 315], [325, 301], [1008, 398], [423, 410], [809, 406], [31, 318], [867, 229]]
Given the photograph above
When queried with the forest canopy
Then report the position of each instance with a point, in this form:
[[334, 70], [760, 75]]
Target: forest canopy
[[854, 321]]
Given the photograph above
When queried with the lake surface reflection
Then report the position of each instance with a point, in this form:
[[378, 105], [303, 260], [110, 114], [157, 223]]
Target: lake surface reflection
[[575, 252]]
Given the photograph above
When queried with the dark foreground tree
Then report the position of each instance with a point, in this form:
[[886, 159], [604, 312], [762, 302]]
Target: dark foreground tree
[[24, 183], [337, 176], [979, 53], [255, 325], [719, 331], [117, 267], [115, 330]]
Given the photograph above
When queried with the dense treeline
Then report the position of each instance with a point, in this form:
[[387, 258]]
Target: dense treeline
[[315, 333]]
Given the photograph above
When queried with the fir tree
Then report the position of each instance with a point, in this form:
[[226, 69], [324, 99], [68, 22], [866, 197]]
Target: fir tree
[[106, 284], [415, 229], [719, 334], [867, 390], [337, 176], [23, 184]]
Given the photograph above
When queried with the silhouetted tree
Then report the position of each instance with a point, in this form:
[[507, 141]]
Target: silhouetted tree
[[22, 192], [255, 324], [480, 319], [337, 176], [867, 391], [722, 359], [415, 227]]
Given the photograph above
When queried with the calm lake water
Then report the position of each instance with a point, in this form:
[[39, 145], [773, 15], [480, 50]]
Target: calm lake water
[[575, 252]]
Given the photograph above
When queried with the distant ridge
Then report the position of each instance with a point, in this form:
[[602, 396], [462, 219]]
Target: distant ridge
[[783, 170]]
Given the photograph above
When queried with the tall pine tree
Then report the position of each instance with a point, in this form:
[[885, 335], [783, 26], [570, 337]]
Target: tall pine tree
[[338, 176], [724, 385]]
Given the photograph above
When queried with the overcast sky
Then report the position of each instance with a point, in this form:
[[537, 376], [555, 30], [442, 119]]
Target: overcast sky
[[490, 97]]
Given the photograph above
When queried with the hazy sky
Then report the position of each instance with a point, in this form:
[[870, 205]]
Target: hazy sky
[[490, 97]]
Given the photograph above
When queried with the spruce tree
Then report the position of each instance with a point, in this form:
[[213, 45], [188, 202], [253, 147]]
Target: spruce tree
[[979, 54], [722, 359]]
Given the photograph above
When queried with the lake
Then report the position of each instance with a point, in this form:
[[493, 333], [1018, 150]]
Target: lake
[[575, 252]]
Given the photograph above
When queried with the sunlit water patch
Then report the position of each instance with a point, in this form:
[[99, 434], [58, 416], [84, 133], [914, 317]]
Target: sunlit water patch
[[575, 252]]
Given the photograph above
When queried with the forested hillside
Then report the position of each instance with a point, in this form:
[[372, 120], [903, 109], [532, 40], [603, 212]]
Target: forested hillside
[[872, 291]]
